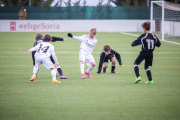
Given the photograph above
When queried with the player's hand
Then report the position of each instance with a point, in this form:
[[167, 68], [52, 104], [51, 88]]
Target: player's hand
[[120, 65], [57, 65], [70, 35], [64, 40], [29, 52]]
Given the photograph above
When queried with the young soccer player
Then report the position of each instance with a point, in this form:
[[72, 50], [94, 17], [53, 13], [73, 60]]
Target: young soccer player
[[39, 39], [106, 54], [43, 52], [85, 54], [148, 41]]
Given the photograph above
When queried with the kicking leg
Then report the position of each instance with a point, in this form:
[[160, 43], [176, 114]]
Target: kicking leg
[[91, 67]]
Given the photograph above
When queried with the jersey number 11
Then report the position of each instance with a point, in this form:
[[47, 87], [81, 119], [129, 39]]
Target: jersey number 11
[[150, 43]]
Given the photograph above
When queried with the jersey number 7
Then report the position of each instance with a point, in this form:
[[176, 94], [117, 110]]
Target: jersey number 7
[[150, 43]]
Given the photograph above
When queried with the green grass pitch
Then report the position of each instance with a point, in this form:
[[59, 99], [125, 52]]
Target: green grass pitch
[[103, 97]]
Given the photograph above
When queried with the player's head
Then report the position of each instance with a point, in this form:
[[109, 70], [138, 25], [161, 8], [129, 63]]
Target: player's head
[[92, 32], [38, 36], [107, 49], [146, 26], [47, 38]]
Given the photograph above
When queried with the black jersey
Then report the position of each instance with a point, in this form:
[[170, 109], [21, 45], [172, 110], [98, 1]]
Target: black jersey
[[103, 56], [148, 41]]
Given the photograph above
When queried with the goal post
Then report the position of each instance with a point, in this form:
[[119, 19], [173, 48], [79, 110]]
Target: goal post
[[165, 19]]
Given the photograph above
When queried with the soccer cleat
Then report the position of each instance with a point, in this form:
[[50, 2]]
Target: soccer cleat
[[138, 79], [82, 76], [63, 77], [56, 81], [104, 70], [88, 74], [33, 78], [114, 72], [149, 82]]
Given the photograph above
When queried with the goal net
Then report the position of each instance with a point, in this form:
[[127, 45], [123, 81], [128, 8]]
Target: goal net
[[165, 19]]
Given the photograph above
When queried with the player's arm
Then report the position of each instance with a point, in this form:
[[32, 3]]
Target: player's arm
[[76, 38], [157, 43], [138, 41], [54, 55], [101, 62], [118, 57], [33, 49], [54, 39]]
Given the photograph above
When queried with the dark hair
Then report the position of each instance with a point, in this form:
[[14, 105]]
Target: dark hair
[[106, 48], [47, 37], [146, 25], [38, 36]]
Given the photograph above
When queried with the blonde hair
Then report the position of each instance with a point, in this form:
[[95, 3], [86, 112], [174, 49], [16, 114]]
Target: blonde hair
[[93, 30], [38, 36]]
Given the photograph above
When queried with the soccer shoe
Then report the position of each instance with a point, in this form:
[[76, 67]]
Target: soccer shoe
[[104, 70], [82, 76], [149, 82], [88, 74], [56, 81], [33, 78], [138, 79], [114, 72], [63, 77]]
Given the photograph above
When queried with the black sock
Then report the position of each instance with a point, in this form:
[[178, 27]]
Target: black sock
[[59, 71], [136, 70], [113, 68], [148, 72]]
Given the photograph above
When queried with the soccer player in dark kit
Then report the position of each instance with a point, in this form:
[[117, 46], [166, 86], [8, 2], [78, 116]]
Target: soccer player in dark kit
[[148, 41], [39, 39], [108, 54]]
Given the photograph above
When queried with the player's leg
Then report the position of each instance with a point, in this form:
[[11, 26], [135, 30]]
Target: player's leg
[[82, 61], [35, 70], [148, 62], [138, 60], [113, 65], [91, 62], [105, 64], [33, 58], [53, 73]]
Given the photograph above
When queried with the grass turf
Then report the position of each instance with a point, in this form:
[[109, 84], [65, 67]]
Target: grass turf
[[103, 97]]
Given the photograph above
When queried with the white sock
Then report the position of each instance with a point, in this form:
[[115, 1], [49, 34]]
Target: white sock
[[90, 68], [35, 70], [82, 68], [53, 73]]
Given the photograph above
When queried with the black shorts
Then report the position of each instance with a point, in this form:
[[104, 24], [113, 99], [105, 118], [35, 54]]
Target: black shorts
[[108, 57], [147, 56]]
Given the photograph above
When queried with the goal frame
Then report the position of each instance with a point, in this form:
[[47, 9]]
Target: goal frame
[[162, 22]]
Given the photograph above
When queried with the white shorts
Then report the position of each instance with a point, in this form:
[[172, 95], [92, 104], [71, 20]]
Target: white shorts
[[88, 58], [45, 60]]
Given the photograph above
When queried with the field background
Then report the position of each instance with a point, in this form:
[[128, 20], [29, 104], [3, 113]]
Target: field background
[[103, 97]]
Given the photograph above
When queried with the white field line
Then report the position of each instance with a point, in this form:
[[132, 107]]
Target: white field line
[[160, 39], [94, 52]]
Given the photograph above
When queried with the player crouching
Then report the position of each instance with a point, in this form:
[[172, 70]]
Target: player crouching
[[106, 54], [43, 52]]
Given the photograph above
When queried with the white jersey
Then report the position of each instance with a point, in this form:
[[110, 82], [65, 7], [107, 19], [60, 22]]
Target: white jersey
[[87, 44], [46, 49]]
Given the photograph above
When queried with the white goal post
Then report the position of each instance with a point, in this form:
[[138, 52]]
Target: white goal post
[[165, 19]]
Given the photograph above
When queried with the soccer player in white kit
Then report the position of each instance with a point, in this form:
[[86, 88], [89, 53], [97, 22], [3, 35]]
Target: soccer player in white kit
[[43, 52], [85, 54]]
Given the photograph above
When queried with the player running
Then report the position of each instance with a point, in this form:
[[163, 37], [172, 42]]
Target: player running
[[106, 54], [43, 52], [39, 39], [148, 41], [85, 54]]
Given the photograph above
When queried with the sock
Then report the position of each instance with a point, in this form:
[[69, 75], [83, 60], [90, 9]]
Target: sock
[[59, 71], [82, 68], [53, 73], [104, 69], [136, 70], [148, 72], [90, 68], [113, 67], [35, 71]]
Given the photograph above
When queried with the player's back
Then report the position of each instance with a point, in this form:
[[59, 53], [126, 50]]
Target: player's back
[[148, 41], [44, 48]]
